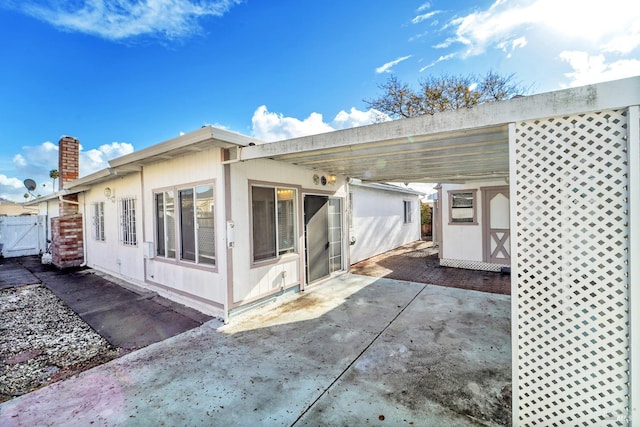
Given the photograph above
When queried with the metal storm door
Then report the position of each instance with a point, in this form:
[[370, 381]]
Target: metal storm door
[[316, 229], [495, 224]]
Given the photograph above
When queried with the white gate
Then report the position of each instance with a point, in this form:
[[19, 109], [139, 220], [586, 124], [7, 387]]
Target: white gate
[[22, 235], [572, 261]]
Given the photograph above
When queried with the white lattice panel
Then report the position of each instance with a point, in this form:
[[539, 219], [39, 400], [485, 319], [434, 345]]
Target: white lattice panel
[[572, 263], [471, 265]]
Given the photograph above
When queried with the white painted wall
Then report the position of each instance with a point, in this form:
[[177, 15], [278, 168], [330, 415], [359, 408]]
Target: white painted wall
[[251, 282], [111, 255], [378, 221], [199, 286], [464, 241], [50, 209]]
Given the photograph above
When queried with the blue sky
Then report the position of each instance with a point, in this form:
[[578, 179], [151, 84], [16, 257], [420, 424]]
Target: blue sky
[[121, 75]]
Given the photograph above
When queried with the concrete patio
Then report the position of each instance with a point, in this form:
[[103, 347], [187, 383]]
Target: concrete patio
[[354, 350]]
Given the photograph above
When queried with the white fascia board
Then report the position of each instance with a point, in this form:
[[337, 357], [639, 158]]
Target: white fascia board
[[93, 178], [387, 187], [207, 133], [596, 97]]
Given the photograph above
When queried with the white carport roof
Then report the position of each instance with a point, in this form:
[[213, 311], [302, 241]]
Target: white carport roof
[[454, 146]]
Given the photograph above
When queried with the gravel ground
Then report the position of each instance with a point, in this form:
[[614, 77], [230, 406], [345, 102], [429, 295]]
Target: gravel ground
[[43, 341]]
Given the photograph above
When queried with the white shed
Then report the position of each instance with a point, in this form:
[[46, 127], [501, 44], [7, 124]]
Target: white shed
[[382, 217], [474, 224]]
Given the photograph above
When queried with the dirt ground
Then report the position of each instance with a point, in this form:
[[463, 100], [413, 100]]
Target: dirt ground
[[418, 262]]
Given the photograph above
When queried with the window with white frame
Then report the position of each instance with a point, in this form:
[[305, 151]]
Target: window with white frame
[[408, 211], [462, 207], [128, 234], [98, 221], [165, 224], [273, 221], [185, 225]]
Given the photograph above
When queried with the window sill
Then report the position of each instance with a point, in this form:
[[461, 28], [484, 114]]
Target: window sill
[[273, 261]]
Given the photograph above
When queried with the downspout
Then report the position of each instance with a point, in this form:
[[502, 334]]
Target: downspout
[[143, 224], [84, 231], [228, 244], [46, 225]]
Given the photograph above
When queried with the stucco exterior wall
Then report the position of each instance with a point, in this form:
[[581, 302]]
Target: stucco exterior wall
[[111, 255], [200, 286], [252, 281], [50, 209], [378, 221]]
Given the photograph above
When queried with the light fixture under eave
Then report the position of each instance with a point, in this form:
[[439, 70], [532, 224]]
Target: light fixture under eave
[[110, 194], [331, 179]]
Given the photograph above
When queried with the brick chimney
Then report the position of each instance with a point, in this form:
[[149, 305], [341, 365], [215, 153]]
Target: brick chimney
[[68, 160], [66, 230]]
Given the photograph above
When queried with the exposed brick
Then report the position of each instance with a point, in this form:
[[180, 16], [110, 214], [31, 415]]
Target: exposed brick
[[67, 245], [68, 159]]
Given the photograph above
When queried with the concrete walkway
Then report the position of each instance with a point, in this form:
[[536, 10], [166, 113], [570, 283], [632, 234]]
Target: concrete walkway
[[128, 317], [354, 350]]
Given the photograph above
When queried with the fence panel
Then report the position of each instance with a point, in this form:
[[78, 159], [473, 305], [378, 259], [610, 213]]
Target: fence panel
[[22, 235]]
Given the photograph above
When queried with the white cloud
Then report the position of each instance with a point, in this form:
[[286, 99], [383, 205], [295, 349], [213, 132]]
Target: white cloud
[[19, 160], [612, 25], [510, 46], [609, 31], [355, 118], [269, 127], [440, 59], [626, 41], [35, 162], [588, 69], [11, 182], [425, 16], [386, 68], [424, 6], [11, 189], [122, 19], [96, 159]]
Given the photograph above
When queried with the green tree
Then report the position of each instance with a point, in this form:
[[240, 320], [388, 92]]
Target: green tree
[[54, 174], [425, 214], [442, 93]]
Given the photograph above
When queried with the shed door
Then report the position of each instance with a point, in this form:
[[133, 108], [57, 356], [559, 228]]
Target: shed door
[[496, 236], [316, 230]]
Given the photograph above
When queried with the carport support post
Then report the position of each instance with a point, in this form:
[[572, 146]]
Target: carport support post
[[513, 250], [633, 145]]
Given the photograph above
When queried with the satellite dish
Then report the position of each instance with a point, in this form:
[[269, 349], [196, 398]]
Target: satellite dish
[[30, 184]]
